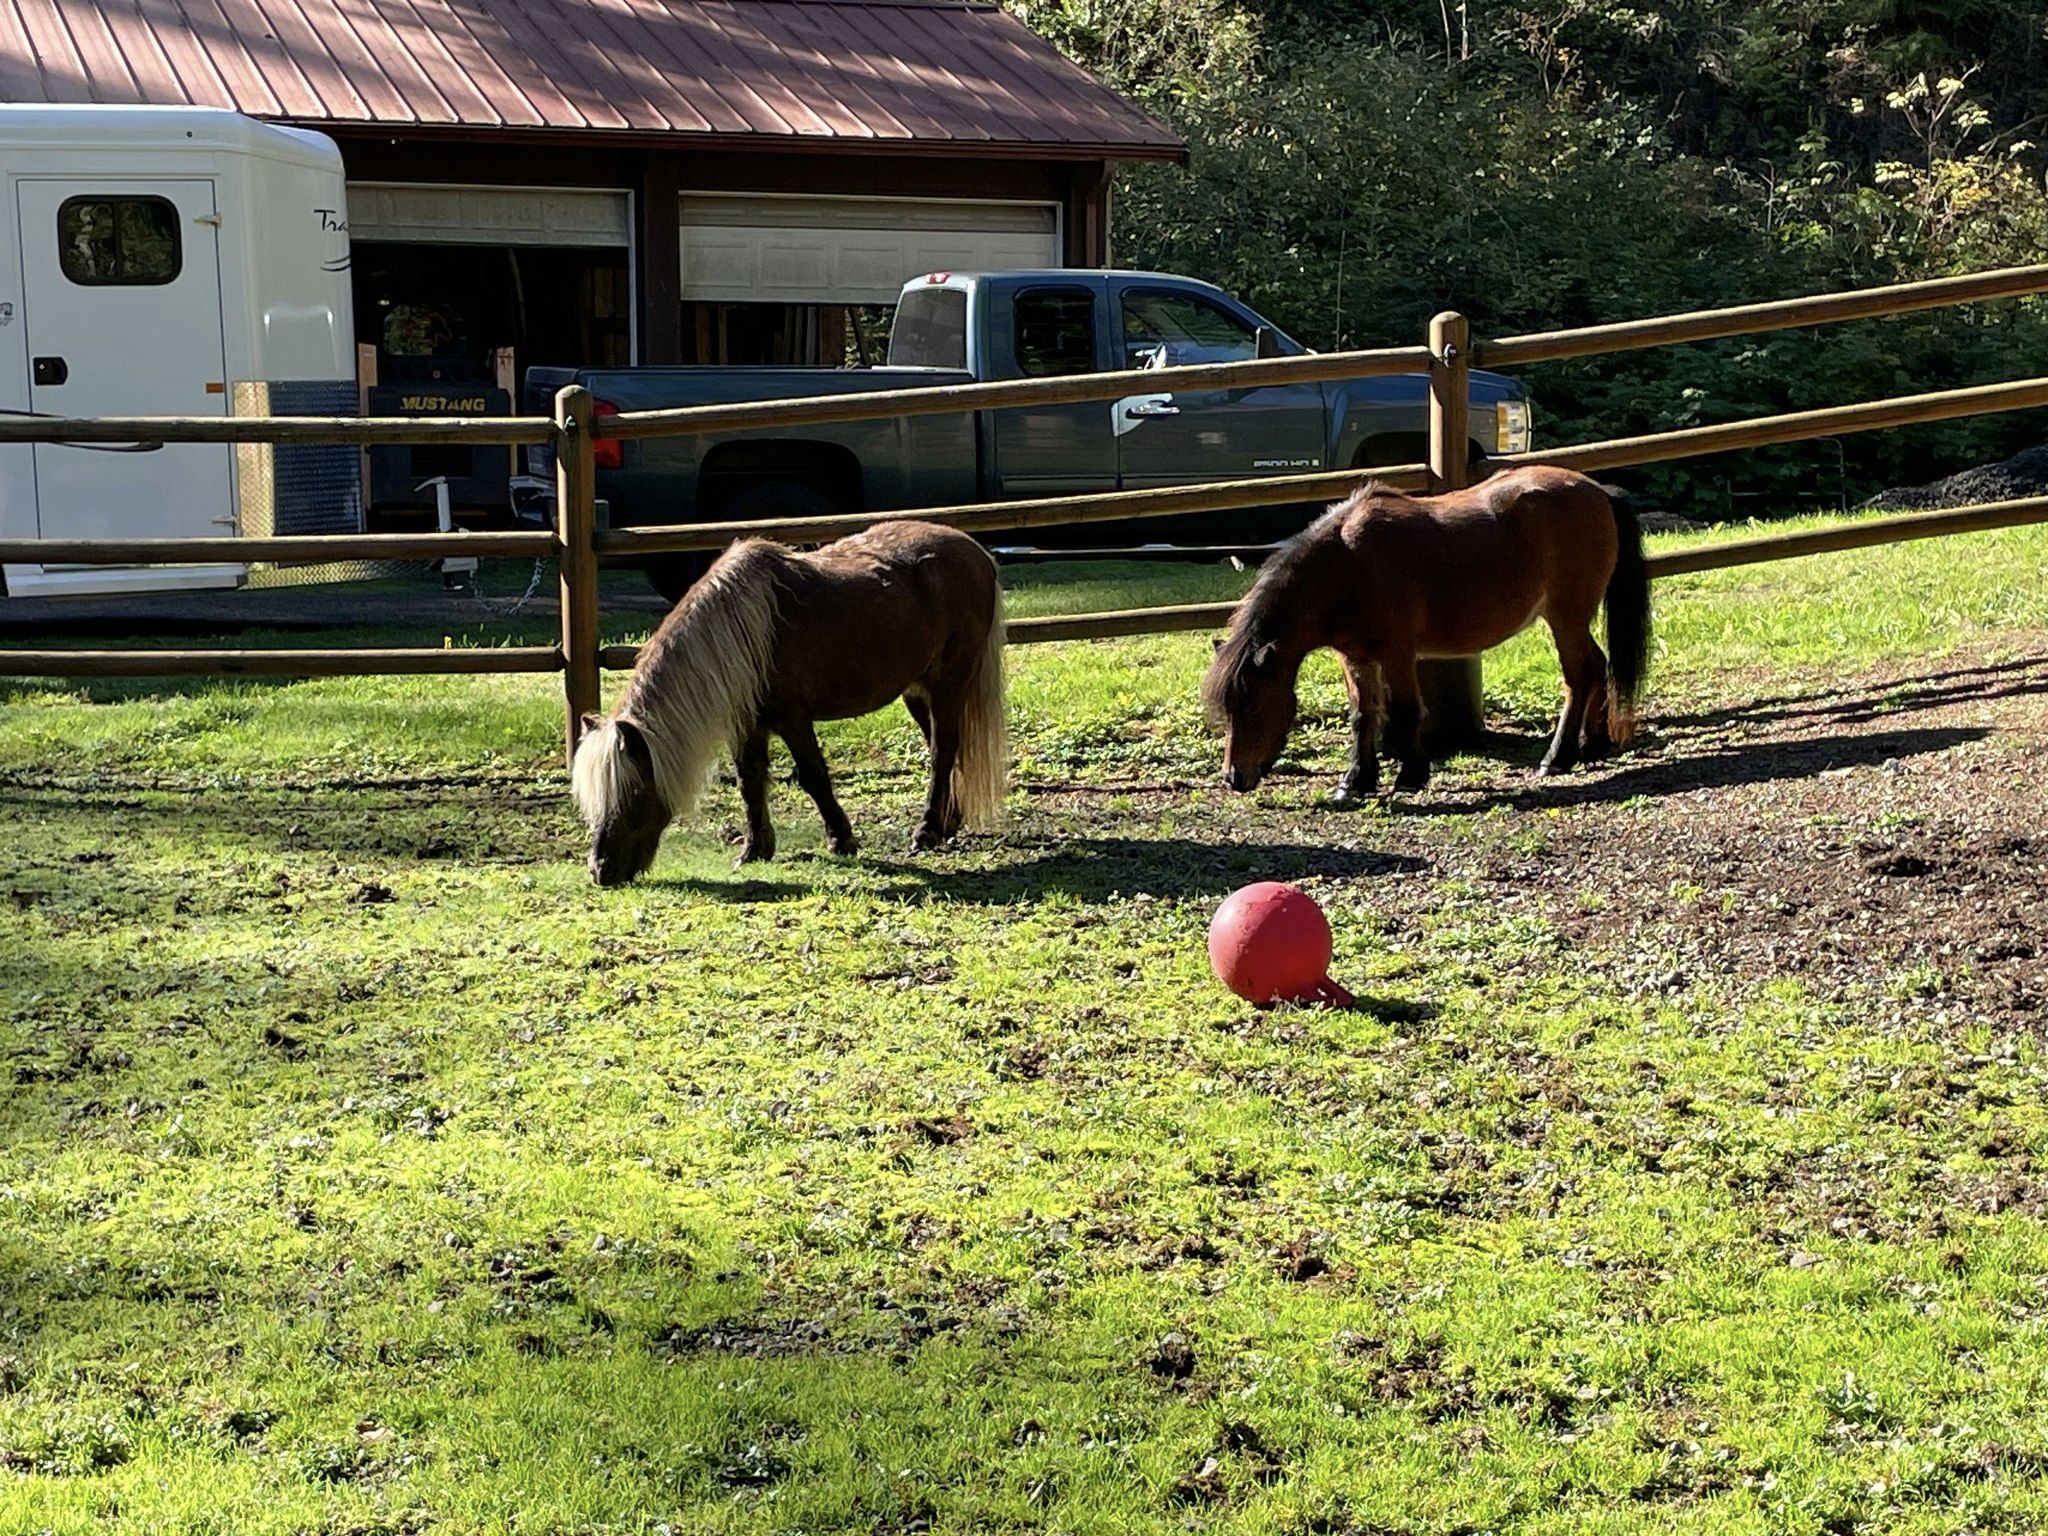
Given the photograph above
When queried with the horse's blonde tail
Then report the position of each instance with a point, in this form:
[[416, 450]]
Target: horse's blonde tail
[[982, 770]]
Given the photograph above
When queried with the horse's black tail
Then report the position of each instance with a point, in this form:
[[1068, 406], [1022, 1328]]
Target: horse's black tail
[[1628, 619]]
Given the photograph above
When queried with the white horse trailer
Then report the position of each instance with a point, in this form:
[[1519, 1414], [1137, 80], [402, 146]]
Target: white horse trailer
[[170, 261]]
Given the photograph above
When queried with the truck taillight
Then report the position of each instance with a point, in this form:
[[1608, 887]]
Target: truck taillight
[[607, 452], [1512, 425]]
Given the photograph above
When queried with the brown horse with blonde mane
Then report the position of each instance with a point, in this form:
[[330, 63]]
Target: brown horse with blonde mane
[[1386, 580], [771, 640]]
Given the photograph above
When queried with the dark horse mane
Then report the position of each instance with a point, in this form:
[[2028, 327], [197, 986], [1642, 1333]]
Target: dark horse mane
[[1249, 629]]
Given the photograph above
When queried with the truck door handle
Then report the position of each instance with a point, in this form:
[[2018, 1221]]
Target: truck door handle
[[1151, 408], [51, 370]]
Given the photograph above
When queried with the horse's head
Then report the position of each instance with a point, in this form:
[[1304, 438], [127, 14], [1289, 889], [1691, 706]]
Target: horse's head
[[1250, 693], [622, 804]]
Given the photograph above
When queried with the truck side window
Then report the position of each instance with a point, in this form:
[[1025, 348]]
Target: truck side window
[[105, 241], [930, 330], [1186, 329], [1055, 332]]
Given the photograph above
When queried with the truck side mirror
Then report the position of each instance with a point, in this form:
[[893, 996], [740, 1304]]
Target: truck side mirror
[[1267, 340]]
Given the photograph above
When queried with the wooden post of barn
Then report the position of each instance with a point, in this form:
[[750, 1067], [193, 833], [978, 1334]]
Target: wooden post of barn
[[1454, 714], [576, 536]]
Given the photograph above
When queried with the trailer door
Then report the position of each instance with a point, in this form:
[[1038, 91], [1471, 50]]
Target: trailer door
[[121, 302]]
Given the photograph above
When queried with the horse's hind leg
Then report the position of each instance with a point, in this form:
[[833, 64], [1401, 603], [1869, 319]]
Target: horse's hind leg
[[1361, 779], [941, 812], [816, 780], [1585, 671], [752, 762], [1596, 740], [921, 712], [1404, 722]]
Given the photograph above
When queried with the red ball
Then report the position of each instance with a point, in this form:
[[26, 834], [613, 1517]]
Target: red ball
[[1271, 943]]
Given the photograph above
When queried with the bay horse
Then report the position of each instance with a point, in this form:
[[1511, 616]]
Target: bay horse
[[772, 639], [1386, 579]]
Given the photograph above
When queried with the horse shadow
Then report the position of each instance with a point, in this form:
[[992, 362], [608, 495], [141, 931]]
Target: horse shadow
[[1764, 762], [1100, 869], [1093, 870]]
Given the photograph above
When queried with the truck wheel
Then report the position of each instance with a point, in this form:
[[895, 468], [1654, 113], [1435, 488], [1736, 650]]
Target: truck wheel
[[673, 575]]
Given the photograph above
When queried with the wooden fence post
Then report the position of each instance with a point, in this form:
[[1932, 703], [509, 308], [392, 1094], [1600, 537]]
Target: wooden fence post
[[576, 536], [1451, 688]]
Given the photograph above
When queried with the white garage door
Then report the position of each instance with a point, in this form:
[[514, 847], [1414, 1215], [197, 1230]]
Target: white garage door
[[488, 215], [850, 250]]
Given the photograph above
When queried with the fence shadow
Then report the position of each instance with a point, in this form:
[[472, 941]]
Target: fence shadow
[[1874, 700]]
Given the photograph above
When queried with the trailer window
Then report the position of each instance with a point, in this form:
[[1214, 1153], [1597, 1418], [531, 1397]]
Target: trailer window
[[930, 330], [104, 241], [1055, 332]]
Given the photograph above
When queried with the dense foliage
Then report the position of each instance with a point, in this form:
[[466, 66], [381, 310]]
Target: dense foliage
[[1537, 163]]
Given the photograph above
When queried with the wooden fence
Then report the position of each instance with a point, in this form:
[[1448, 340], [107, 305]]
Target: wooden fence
[[579, 546]]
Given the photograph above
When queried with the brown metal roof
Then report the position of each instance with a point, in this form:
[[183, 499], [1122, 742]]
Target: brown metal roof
[[850, 74]]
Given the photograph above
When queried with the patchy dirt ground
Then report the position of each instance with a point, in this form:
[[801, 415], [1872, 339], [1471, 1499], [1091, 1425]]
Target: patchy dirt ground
[[1882, 838], [370, 1170]]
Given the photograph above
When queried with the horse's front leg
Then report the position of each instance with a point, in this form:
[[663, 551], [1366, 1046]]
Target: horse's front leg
[[1404, 722], [816, 780], [752, 762], [1361, 779], [941, 813]]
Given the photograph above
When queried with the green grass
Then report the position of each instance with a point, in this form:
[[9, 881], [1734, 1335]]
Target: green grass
[[363, 1169]]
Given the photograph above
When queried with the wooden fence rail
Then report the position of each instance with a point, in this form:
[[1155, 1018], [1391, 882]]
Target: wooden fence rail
[[1867, 534], [354, 431], [289, 549], [1794, 427], [1012, 394], [1750, 319], [1182, 617], [578, 545], [1041, 512], [282, 662]]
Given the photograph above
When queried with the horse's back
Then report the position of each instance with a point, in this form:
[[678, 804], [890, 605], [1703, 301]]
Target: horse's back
[[885, 610], [1461, 572], [938, 576]]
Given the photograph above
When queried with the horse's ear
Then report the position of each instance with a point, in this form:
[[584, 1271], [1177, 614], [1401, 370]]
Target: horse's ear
[[1262, 658], [1216, 643], [635, 744], [591, 722]]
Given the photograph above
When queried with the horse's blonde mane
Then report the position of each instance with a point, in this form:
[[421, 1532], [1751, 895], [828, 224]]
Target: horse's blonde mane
[[697, 688], [601, 776]]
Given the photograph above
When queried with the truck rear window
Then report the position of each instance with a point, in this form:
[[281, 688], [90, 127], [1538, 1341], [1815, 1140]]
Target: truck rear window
[[1055, 332], [930, 329]]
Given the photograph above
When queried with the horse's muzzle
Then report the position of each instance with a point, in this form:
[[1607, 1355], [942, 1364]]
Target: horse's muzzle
[[1241, 778]]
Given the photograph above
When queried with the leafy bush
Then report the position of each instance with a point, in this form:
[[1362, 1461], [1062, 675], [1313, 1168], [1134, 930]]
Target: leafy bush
[[1355, 169]]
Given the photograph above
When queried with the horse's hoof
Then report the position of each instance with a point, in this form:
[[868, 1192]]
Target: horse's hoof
[[1550, 770], [1346, 799], [755, 853], [1412, 780], [926, 839], [844, 847]]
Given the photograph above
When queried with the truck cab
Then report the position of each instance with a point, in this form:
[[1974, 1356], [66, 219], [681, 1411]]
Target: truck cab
[[1049, 323]]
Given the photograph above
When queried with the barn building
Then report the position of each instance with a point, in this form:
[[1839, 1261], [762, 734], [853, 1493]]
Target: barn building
[[652, 181]]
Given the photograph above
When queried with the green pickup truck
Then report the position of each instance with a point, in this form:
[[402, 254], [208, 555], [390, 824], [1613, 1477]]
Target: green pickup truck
[[954, 328]]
